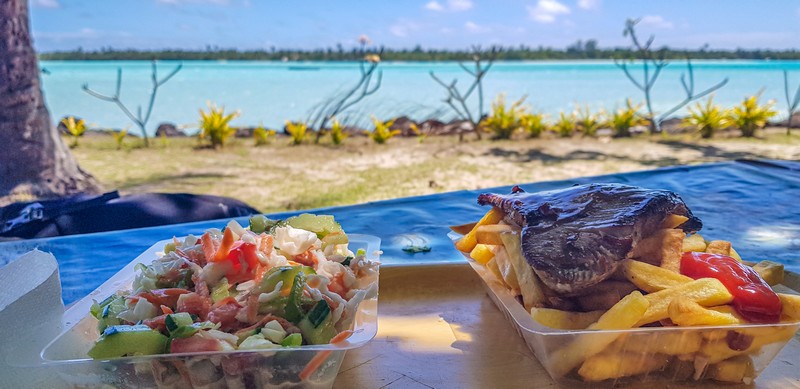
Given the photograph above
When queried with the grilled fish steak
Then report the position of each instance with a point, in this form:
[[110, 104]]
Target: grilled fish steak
[[577, 237]]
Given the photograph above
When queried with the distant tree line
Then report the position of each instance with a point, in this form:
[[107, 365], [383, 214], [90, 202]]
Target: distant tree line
[[579, 50]]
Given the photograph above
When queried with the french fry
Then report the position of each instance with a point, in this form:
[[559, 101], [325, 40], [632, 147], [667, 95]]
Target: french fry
[[790, 306], [625, 314], [506, 269], [722, 247], [744, 341], [492, 266], [736, 370], [673, 221], [565, 320], [770, 271], [694, 243], [605, 294], [663, 248], [530, 286], [687, 312], [607, 366], [651, 278], [490, 233], [665, 342], [468, 241], [705, 291], [463, 229], [482, 253]]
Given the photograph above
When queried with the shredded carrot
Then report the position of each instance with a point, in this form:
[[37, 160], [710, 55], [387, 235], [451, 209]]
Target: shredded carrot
[[314, 364], [167, 310], [176, 241], [265, 246], [340, 337], [321, 356], [293, 263], [224, 246]]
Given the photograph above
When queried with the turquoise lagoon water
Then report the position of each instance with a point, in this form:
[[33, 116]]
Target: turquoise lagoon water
[[271, 92]]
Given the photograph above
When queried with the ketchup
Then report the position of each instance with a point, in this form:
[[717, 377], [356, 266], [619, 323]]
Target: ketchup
[[753, 298]]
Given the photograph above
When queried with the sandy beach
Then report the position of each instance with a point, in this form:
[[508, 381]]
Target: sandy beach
[[281, 177]]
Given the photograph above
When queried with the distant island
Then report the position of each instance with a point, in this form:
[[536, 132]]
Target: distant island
[[580, 50]]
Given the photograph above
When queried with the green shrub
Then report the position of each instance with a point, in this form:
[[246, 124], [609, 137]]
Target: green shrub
[[297, 130], [503, 121], [623, 119], [587, 122], [263, 136], [750, 116], [214, 125], [337, 133], [382, 133], [707, 118], [74, 128], [565, 125], [533, 123]]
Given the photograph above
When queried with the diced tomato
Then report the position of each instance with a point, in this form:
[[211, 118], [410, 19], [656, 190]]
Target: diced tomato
[[167, 310], [168, 297], [224, 312], [194, 344], [157, 323], [195, 304], [244, 257]]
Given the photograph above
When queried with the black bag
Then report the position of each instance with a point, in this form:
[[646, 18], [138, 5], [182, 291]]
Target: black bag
[[83, 214]]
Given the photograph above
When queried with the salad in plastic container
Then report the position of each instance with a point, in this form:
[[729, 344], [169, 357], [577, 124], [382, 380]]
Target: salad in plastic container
[[274, 304]]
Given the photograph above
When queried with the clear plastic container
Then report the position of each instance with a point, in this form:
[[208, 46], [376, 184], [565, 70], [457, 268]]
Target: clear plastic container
[[66, 354], [735, 354]]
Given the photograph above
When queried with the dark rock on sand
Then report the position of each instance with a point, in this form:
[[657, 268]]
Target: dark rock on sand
[[784, 122], [405, 125], [169, 130], [430, 127]]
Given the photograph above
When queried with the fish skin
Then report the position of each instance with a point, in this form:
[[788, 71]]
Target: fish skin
[[576, 237]]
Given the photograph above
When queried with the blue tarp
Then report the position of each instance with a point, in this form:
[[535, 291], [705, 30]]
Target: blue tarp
[[754, 204]]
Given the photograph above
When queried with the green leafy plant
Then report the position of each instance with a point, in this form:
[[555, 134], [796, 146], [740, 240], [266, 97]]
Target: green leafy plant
[[382, 131], [707, 118], [750, 116], [588, 122], [119, 137], [337, 133], [565, 125], [623, 119], [297, 130], [263, 136], [533, 123], [76, 128], [503, 121], [214, 125]]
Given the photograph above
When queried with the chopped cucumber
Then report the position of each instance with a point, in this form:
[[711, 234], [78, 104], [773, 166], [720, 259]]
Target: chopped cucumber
[[318, 327], [118, 341], [169, 247], [282, 273], [293, 312], [322, 225], [292, 340], [175, 320], [221, 290]]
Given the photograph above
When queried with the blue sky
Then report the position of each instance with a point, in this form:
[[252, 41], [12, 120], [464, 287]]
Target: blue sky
[[452, 24]]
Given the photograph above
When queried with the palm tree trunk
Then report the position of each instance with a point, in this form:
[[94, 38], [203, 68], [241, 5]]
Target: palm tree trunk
[[34, 161]]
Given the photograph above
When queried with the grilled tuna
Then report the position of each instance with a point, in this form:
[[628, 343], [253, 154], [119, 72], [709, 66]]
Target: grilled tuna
[[576, 237]]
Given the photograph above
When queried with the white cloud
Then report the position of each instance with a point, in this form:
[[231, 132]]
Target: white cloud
[[434, 6], [546, 11], [476, 28], [656, 21], [449, 5], [46, 3], [589, 4], [402, 28]]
